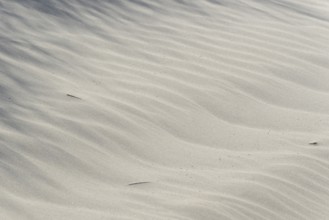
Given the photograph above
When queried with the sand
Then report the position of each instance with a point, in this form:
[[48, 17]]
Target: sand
[[164, 110]]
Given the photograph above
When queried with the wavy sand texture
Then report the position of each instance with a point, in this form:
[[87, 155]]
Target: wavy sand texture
[[136, 109]]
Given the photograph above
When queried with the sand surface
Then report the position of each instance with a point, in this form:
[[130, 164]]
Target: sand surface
[[164, 110]]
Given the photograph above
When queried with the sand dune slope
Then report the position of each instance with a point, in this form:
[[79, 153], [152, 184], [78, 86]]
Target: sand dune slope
[[186, 109]]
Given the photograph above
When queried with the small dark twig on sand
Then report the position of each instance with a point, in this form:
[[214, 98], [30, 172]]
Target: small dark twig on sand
[[137, 183], [72, 96], [313, 143]]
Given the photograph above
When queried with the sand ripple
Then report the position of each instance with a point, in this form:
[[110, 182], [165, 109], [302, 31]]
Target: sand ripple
[[183, 110]]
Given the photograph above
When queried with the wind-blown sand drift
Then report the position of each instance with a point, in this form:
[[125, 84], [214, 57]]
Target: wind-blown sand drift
[[179, 110]]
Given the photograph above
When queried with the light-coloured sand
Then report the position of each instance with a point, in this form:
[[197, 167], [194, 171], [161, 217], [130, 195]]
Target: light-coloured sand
[[164, 110]]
